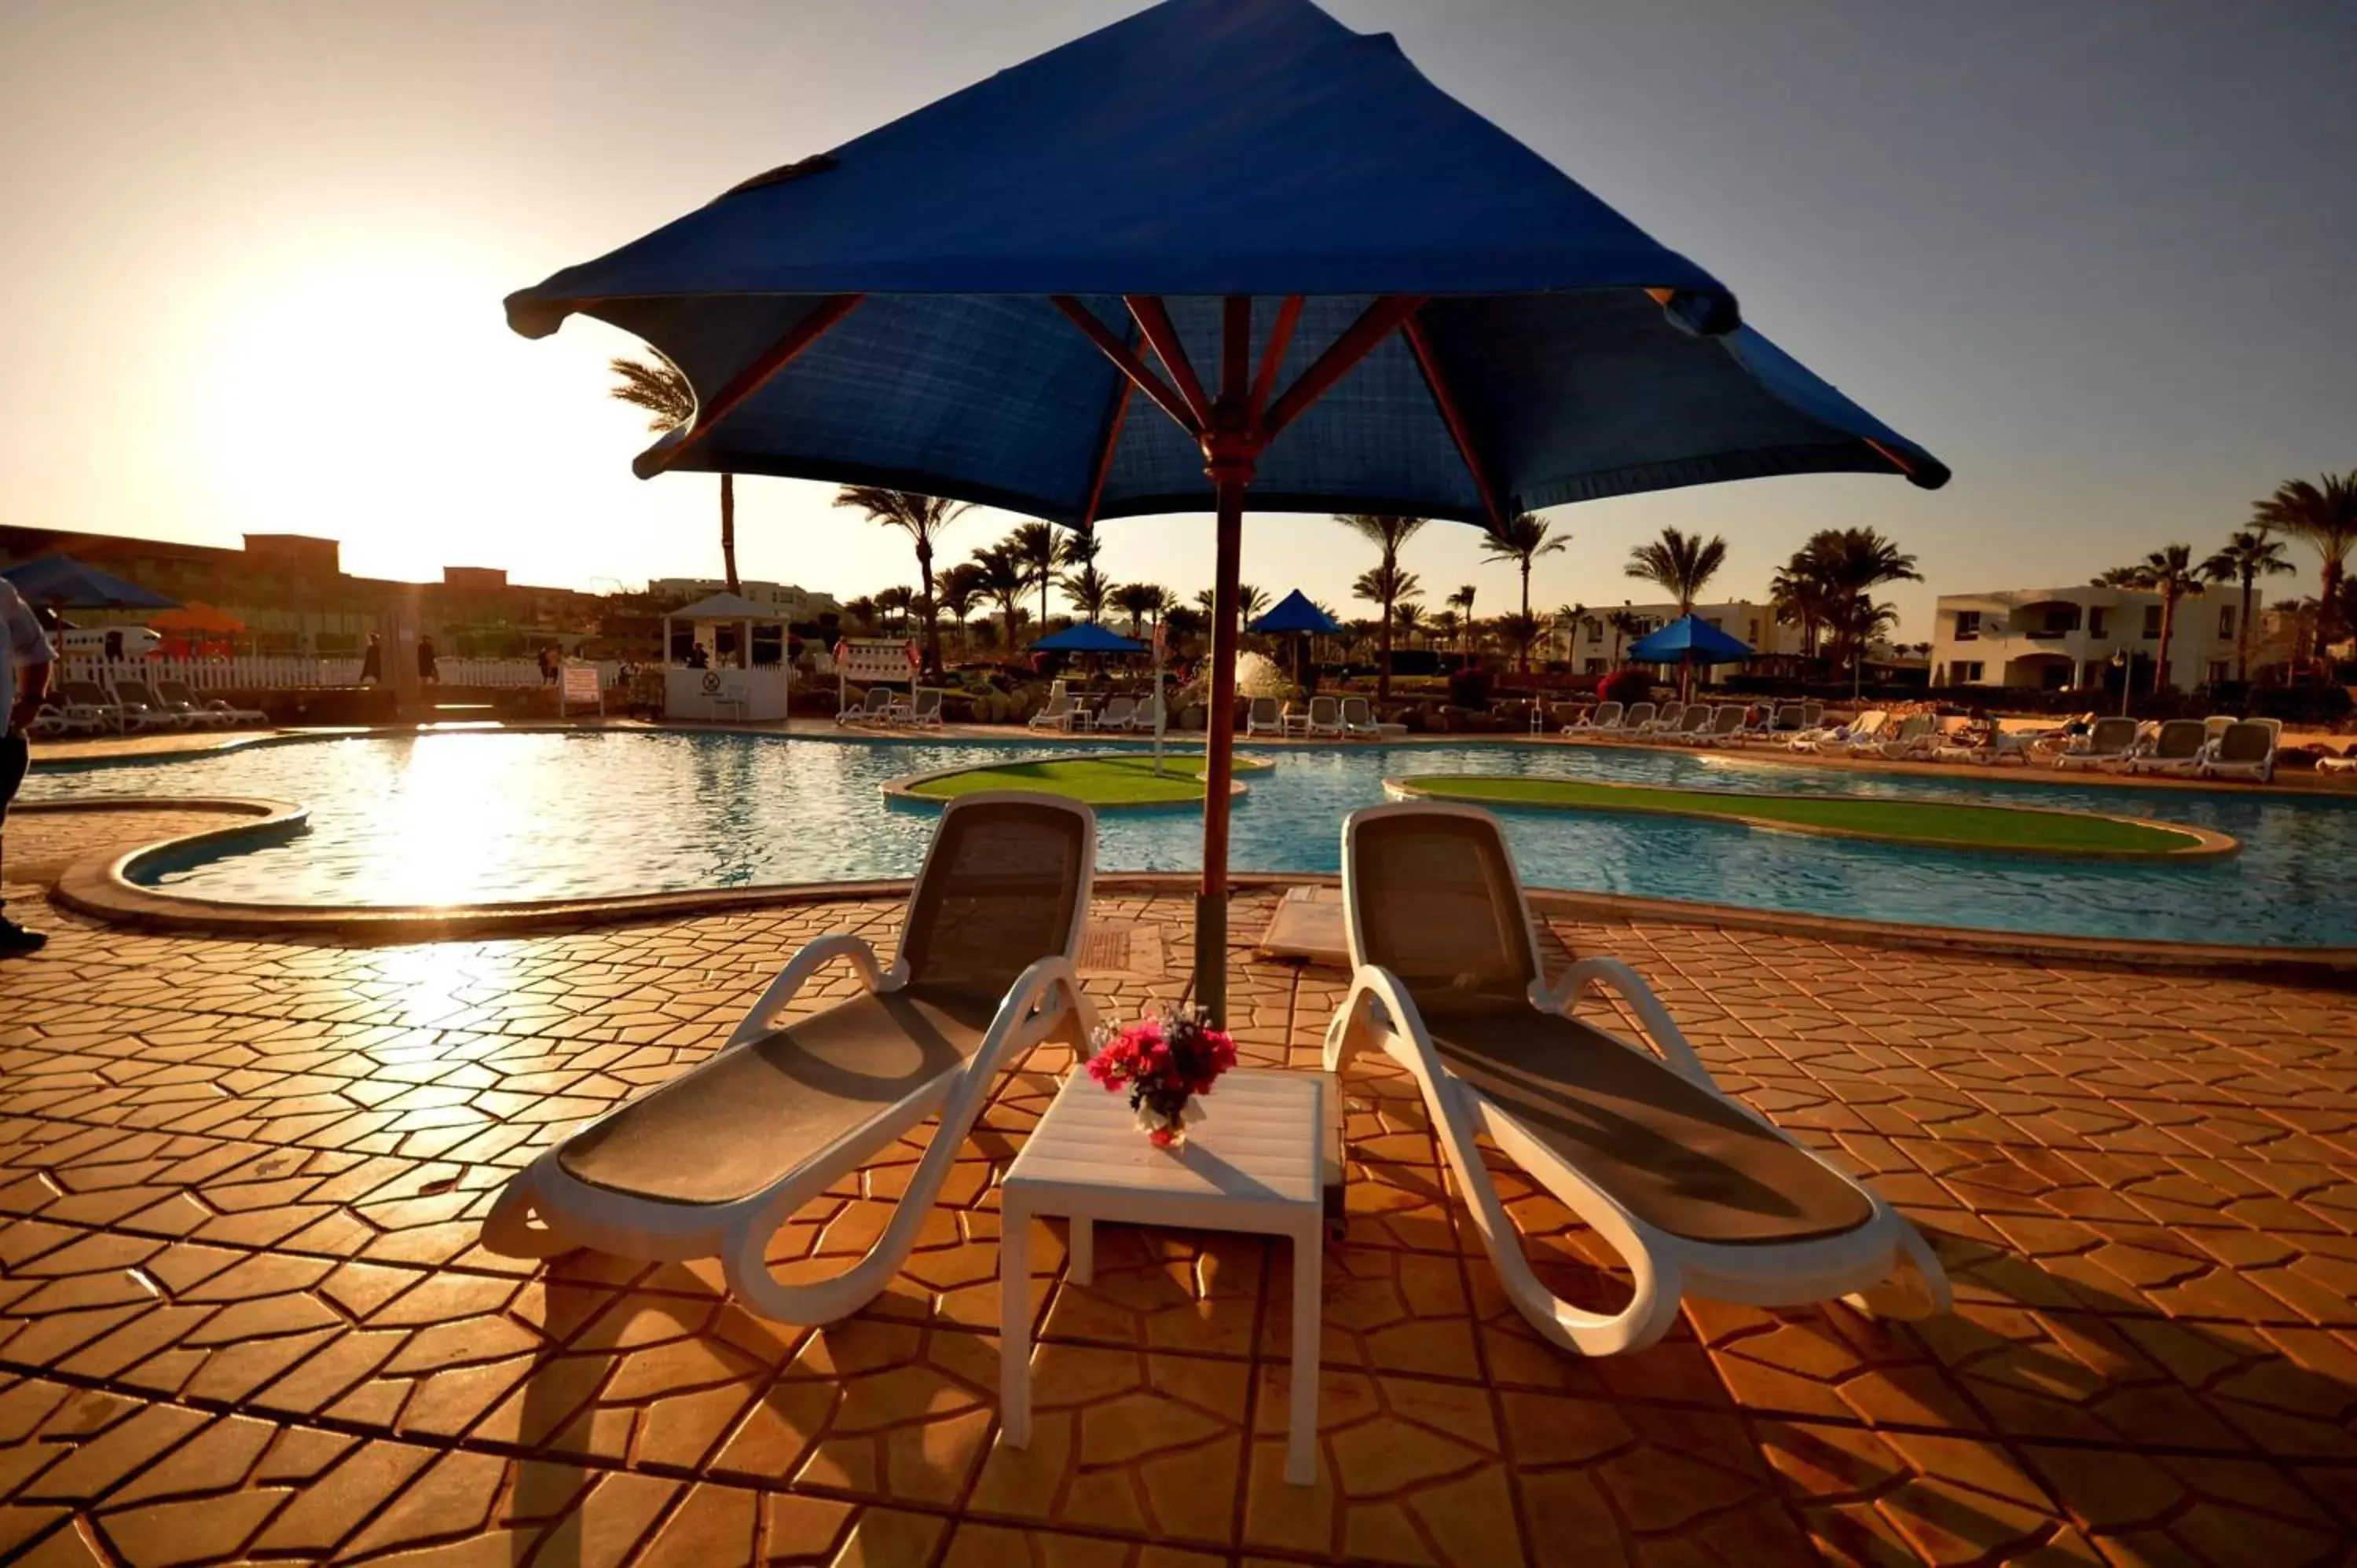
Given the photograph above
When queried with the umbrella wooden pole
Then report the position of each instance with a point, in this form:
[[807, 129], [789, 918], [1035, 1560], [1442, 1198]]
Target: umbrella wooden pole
[[1218, 758]]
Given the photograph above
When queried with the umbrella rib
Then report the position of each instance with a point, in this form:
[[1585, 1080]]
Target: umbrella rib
[[1104, 454], [1357, 341], [1127, 362], [1153, 318], [750, 379], [1445, 398], [1271, 359]]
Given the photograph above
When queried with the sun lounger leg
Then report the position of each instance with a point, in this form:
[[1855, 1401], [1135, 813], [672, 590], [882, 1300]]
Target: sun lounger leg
[[1918, 1286]]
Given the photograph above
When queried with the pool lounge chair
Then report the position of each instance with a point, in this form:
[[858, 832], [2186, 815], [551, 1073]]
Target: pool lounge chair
[[1837, 740], [715, 1161], [1149, 715], [1117, 716], [1635, 720], [180, 694], [1061, 712], [1695, 728], [1667, 719], [1698, 1193], [2245, 750], [1999, 744], [71, 718], [1721, 727], [89, 700], [174, 698], [1917, 736], [1324, 721], [876, 708], [1359, 719], [2179, 748], [143, 709], [2107, 741], [1263, 716], [1604, 718], [924, 711]]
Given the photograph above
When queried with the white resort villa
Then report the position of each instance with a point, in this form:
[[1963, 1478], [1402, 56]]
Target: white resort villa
[[2067, 639]]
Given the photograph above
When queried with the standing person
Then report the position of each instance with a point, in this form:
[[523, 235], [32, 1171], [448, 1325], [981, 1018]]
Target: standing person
[[25, 659], [429, 669], [373, 659]]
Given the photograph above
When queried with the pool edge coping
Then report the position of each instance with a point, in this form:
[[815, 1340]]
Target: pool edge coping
[[2208, 842], [97, 885]]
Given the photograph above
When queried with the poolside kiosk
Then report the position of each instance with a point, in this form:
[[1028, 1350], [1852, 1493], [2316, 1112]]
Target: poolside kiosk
[[743, 690]]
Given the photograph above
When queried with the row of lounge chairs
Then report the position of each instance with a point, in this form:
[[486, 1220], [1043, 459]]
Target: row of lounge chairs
[[1696, 724], [1326, 718], [2221, 746], [1701, 1194], [883, 708], [127, 705], [1119, 715]]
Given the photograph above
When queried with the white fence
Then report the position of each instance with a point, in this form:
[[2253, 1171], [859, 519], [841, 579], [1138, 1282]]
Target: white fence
[[286, 673]]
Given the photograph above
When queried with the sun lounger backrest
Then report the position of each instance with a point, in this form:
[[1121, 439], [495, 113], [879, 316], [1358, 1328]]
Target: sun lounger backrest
[[1325, 711], [2247, 740], [878, 699], [2217, 724], [2111, 736], [2182, 738], [1005, 885], [928, 700], [1356, 714], [1264, 711], [1638, 714], [1434, 899], [176, 691], [136, 691], [1606, 716], [1728, 719], [88, 694]]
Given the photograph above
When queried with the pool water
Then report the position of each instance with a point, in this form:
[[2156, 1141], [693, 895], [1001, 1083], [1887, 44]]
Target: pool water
[[484, 817]]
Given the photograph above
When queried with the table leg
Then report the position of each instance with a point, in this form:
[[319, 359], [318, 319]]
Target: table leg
[[1084, 1249], [1014, 1327], [1308, 1288]]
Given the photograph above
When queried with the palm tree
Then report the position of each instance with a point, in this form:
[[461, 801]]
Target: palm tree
[[1383, 586], [2170, 573], [862, 611], [1462, 599], [896, 601], [1625, 624], [1682, 564], [1138, 600], [657, 386], [1036, 550], [2248, 555], [922, 517], [1520, 629], [1004, 581], [1251, 603], [2322, 515], [1803, 597], [1407, 615], [1522, 538], [1386, 535], [1087, 589], [1445, 624], [959, 590], [1848, 565]]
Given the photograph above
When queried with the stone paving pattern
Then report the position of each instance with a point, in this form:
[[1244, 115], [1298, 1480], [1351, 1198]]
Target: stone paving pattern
[[243, 1316]]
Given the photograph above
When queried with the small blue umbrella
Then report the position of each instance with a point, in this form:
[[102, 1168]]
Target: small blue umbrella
[[1689, 639], [1295, 614], [62, 582], [1087, 637]]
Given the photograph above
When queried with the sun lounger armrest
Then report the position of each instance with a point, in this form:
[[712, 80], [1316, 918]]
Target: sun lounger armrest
[[761, 1019], [1611, 974], [1032, 1003]]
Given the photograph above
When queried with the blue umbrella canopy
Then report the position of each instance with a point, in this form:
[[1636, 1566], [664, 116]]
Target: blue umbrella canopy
[[1295, 613], [1689, 639], [1342, 289], [62, 582], [1086, 637]]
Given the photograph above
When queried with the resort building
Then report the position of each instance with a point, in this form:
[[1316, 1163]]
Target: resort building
[[2059, 640], [791, 603], [1595, 646]]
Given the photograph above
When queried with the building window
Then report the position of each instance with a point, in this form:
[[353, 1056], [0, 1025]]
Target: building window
[[2226, 620], [2095, 614], [2217, 670], [1968, 626], [2151, 622], [1968, 671]]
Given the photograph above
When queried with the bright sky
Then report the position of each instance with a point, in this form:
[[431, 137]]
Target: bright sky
[[2097, 256]]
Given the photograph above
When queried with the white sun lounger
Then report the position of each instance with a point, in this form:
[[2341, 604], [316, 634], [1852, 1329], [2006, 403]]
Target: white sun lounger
[[2246, 749], [1701, 1195], [143, 709], [2179, 748], [1325, 719], [1061, 712], [1359, 719], [1604, 718], [875, 709], [1118, 714], [713, 1161], [1263, 715], [2106, 741], [1837, 740]]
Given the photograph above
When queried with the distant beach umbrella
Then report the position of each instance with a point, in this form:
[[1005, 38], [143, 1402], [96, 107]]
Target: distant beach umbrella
[[1689, 639], [1087, 637], [62, 582], [1295, 615], [1339, 289]]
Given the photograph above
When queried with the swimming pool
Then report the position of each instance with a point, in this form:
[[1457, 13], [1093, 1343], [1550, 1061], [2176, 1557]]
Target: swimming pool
[[487, 816]]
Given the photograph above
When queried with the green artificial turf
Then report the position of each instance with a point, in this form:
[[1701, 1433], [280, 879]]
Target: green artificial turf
[[1938, 823], [1125, 780]]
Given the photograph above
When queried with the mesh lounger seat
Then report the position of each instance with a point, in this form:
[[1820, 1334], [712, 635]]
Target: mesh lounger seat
[[712, 1163], [1698, 1193], [2243, 749]]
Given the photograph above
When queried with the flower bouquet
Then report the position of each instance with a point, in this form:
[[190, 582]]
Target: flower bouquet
[[1164, 1062]]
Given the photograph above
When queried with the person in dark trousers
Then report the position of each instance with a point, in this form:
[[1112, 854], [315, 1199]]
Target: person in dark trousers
[[372, 661], [25, 659], [429, 666], [699, 657]]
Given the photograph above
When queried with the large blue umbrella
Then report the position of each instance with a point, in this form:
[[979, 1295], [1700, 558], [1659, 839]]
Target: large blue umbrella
[[1346, 292], [62, 582], [1087, 637], [1689, 639], [1295, 613]]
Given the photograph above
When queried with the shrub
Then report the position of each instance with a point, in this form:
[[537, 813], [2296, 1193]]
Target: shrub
[[1469, 688], [1625, 686]]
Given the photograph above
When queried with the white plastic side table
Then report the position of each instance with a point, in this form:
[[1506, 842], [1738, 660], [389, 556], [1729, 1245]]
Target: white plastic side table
[[1250, 1163]]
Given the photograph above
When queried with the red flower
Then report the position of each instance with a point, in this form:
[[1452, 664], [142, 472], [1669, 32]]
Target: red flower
[[1159, 1137]]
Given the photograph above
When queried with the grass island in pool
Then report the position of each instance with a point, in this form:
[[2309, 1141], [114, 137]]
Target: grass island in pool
[[1930, 824], [1113, 780]]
